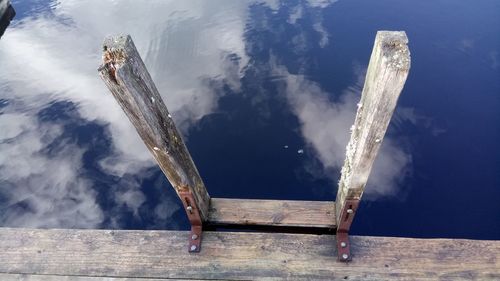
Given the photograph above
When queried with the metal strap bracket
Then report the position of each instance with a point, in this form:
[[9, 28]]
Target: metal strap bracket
[[194, 217], [344, 224]]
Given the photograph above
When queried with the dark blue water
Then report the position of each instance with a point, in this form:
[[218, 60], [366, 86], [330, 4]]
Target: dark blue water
[[265, 93]]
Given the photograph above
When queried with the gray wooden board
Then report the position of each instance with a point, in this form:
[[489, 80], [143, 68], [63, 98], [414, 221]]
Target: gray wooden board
[[239, 256], [49, 277], [128, 80], [385, 78], [294, 213]]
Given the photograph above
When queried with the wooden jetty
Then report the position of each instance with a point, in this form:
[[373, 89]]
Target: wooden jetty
[[7, 13], [29, 254], [63, 254]]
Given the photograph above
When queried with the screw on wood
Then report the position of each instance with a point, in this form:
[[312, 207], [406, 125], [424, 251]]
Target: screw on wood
[[194, 217], [344, 224]]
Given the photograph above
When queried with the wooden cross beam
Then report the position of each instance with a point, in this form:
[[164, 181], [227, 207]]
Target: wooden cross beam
[[386, 75]]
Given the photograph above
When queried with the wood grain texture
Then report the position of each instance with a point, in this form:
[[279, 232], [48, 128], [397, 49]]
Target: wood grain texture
[[127, 78], [240, 256], [320, 214], [50, 277], [386, 75]]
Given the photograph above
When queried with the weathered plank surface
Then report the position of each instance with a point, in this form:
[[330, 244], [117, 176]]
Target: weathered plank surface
[[7, 13], [386, 75], [320, 214], [36, 277], [226, 255], [127, 78]]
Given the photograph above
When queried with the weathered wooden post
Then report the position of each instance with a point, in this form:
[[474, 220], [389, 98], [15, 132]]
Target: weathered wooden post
[[127, 78], [7, 13], [386, 75]]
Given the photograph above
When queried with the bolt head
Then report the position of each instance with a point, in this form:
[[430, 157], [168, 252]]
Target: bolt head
[[193, 248], [350, 211], [194, 236], [189, 208], [343, 244], [345, 256]]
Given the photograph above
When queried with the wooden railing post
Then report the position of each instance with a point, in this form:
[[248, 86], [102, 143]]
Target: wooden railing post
[[127, 78], [386, 75]]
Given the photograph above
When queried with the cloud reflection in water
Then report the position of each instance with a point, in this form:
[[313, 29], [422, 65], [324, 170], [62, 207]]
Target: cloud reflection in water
[[192, 48], [54, 56]]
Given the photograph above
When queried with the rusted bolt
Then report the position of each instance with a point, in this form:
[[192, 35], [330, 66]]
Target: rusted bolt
[[194, 236], [343, 244], [193, 247], [350, 211], [345, 256]]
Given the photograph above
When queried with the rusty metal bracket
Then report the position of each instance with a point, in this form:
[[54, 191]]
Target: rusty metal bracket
[[194, 217], [344, 224]]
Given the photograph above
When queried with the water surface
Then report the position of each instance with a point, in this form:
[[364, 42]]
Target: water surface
[[265, 93]]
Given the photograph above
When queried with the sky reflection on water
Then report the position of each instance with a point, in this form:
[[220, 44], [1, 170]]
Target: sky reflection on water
[[244, 80]]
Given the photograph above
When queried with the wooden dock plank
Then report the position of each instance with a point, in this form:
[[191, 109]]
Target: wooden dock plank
[[318, 214], [239, 256], [35, 277]]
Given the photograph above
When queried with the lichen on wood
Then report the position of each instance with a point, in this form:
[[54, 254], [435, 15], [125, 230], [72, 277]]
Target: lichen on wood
[[386, 75]]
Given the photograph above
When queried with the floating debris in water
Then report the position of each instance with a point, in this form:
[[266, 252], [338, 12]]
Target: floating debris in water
[[300, 151]]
